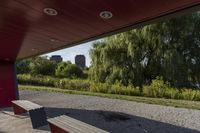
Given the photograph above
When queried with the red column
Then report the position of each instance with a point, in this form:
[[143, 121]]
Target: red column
[[8, 84]]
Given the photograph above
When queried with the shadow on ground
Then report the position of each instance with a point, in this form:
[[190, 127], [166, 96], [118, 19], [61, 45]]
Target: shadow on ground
[[116, 122]]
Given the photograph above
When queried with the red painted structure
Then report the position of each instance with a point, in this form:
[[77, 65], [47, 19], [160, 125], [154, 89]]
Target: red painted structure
[[25, 30], [55, 129], [18, 110], [8, 89]]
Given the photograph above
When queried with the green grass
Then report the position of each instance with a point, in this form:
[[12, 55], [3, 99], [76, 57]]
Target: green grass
[[158, 101]]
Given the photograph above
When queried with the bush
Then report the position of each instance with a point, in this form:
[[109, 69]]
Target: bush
[[99, 87], [157, 89], [41, 65], [172, 93], [23, 66], [39, 80], [68, 70], [134, 91], [75, 84], [188, 94]]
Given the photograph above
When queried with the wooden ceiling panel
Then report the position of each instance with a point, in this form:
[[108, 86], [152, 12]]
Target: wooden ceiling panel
[[25, 30]]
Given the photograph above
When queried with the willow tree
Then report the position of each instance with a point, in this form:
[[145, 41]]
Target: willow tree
[[169, 49]]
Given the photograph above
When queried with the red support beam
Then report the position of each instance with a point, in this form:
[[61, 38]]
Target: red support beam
[[8, 83]]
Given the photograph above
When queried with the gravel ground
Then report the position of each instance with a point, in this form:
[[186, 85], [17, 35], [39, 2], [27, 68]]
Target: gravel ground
[[118, 116]]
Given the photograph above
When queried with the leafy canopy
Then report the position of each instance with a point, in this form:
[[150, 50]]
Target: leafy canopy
[[168, 49]]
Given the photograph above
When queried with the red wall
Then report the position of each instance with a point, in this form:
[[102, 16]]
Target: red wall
[[8, 86]]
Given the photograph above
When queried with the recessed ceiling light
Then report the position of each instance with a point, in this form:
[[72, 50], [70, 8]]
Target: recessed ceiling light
[[7, 59], [106, 14], [50, 11], [54, 40], [33, 49]]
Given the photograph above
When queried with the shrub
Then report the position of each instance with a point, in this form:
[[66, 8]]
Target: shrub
[[68, 70], [172, 93], [41, 65], [75, 84], [23, 66], [157, 89], [188, 94], [40, 80], [134, 91], [99, 87], [197, 96]]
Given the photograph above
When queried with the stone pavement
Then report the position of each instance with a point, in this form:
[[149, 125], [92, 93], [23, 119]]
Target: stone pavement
[[112, 115], [10, 123]]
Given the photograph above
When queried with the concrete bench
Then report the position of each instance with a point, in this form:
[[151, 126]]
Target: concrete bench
[[65, 124], [36, 112]]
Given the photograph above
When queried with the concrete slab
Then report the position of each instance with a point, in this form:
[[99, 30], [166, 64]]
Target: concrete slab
[[10, 123], [112, 115]]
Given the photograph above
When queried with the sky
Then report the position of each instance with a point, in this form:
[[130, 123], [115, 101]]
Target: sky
[[69, 54]]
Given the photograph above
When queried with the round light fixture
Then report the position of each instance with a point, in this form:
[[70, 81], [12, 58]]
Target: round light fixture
[[50, 11], [106, 14], [33, 49], [7, 59], [54, 40]]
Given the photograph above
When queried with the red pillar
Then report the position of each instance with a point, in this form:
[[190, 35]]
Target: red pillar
[[8, 84]]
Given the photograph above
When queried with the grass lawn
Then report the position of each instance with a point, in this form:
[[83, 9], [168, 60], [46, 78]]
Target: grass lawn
[[158, 101]]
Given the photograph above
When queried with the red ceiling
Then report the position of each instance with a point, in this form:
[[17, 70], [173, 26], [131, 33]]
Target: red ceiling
[[25, 30]]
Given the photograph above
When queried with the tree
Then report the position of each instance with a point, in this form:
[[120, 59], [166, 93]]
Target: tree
[[169, 49], [23, 66], [43, 66], [68, 70]]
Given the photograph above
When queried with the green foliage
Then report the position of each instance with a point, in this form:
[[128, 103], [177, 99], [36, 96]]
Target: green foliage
[[43, 66], [189, 94], [60, 70], [23, 66], [168, 49], [125, 90], [99, 87], [75, 84], [172, 93], [158, 101], [85, 73], [27, 79], [68, 70], [157, 89]]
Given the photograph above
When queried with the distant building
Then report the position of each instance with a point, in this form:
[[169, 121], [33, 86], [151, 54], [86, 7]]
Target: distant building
[[80, 61], [56, 58]]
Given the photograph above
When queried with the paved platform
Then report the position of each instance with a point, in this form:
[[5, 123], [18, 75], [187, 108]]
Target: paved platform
[[112, 115], [10, 123]]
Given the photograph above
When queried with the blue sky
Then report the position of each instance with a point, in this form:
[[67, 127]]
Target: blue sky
[[69, 54]]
